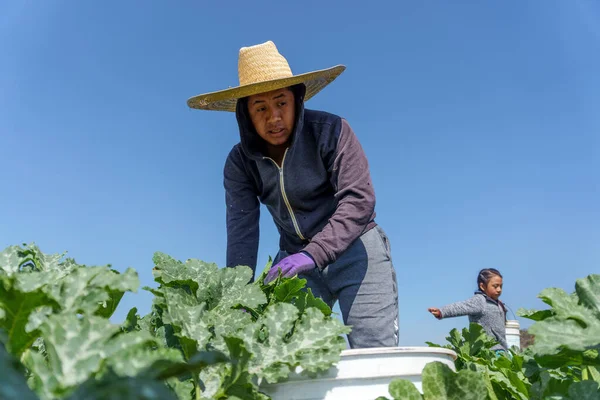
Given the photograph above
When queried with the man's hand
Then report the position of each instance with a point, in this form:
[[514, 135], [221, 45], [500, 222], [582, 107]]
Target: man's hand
[[290, 266]]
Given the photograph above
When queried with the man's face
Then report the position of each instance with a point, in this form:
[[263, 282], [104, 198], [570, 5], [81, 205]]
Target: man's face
[[273, 115]]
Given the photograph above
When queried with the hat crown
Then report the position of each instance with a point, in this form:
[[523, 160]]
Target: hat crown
[[261, 63]]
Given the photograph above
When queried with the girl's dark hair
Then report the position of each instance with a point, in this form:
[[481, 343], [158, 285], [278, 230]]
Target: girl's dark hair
[[485, 275]]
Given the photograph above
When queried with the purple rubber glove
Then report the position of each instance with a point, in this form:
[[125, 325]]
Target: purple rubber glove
[[290, 266]]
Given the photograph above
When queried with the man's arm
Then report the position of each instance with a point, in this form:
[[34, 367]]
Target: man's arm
[[242, 215]]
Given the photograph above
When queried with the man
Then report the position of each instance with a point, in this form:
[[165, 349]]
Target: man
[[310, 171]]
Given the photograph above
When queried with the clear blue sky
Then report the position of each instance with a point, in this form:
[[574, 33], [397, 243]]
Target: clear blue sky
[[481, 122]]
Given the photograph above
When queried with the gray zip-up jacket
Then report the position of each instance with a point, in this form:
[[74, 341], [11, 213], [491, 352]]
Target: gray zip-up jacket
[[321, 199], [487, 312]]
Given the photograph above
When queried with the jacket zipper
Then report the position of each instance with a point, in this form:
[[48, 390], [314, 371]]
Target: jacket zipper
[[285, 199]]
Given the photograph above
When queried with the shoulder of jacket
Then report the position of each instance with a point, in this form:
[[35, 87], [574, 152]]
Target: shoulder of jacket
[[482, 298], [315, 117], [236, 157]]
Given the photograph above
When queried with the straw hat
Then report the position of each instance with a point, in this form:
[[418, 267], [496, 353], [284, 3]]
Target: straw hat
[[261, 69]]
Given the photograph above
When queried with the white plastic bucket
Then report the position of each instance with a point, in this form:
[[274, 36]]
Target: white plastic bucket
[[513, 333], [362, 374]]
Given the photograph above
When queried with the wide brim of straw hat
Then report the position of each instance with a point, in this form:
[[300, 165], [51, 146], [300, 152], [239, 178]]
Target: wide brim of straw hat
[[225, 100]]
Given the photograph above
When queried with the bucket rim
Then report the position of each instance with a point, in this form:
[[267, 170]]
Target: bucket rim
[[425, 350]]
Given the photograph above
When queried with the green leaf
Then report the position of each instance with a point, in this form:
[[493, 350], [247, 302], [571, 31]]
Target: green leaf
[[75, 347], [135, 361], [588, 290], [441, 383], [548, 385], [33, 285], [554, 333], [131, 322], [117, 388], [565, 306], [183, 389], [164, 368], [593, 373], [575, 324], [289, 289], [13, 385], [401, 389], [585, 390], [234, 290], [238, 381], [18, 306], [233, 379], [93, 290], [535, 315], [314, 342], [185, 312], [193, 273], [16, 259], [307, 299], [489, 386]]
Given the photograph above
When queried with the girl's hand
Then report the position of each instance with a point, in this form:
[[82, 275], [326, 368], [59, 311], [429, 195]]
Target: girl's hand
[[435, 311]]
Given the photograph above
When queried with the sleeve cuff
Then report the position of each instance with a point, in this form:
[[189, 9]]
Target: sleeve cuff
[[316, 252]]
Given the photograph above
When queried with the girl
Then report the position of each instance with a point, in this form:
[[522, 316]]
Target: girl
[[483, 308]]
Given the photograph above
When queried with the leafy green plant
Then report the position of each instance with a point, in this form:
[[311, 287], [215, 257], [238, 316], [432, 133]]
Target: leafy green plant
[[211, 333], [503, 376], [441, 383], [198, 306], [567, 342]]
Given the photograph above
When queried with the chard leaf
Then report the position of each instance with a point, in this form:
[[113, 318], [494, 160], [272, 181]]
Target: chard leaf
[[584, 390], [42, 379], [219, 288], [13, 385], [35, 285], [21, 294], [566, 307], [588, 291], [307, 299], [186, 316], [93, 290], [183, 389], [575, 326], [132, 321], [16, 259], [164, 367], [75, 347], [289, 289], [134, 361], [401, 389], [191, 274], [230, 380], [11, 260], [314, 342], [17, 306], [592, 373], [197, 299], [123, 388], [441, 383], [233, 289], [535, 315]]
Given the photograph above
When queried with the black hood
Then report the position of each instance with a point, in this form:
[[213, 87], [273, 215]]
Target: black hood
[[252, 144]]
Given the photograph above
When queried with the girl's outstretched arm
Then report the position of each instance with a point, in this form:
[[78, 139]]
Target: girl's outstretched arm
[[472, 306]]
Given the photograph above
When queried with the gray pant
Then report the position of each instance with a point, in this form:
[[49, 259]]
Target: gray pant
[[363, 279]]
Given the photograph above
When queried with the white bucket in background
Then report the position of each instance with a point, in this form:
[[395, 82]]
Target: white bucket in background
[[362, 374], [513, 333]]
